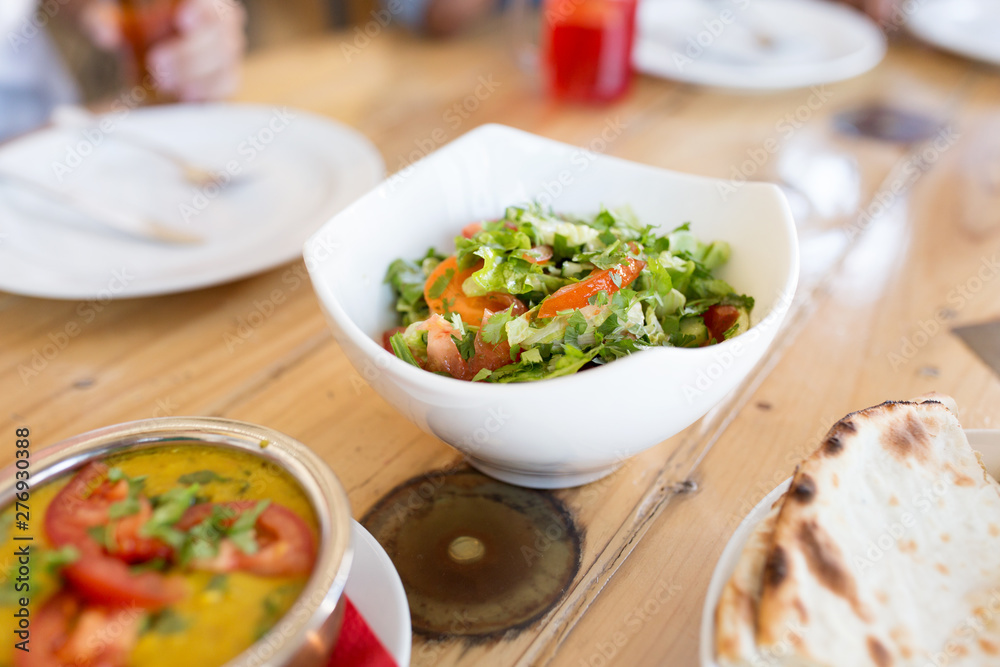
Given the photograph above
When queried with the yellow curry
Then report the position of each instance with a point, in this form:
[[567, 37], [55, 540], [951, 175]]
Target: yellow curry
[[190, 551]]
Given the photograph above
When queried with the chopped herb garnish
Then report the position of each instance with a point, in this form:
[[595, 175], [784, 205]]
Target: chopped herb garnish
[[166, 622], [123, 508], [154, 565], [242, 533], [202, 477], [441, 284], [130, 505], [202, 540], [495, 328], [99, 534], [54, 560], [218, 582], [466, 345], [168, 510], [273, 606]]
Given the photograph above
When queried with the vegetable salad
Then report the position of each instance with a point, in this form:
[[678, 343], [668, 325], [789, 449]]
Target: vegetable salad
[[536, 295]]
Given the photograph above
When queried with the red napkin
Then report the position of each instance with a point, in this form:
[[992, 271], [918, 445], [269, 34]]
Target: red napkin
[[357, 645]]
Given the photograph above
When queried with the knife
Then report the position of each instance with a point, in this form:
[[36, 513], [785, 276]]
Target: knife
[[145, 228]]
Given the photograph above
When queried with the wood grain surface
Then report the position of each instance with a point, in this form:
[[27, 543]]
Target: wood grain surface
[[912, 251]]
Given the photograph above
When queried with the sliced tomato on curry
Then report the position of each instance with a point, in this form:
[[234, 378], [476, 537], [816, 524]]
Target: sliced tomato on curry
[[85, 503], [284, 543], [101, 574], [67, 631], [109, 581]]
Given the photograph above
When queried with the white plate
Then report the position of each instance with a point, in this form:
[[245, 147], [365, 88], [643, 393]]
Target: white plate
[[755, 44], [377, 592], [969, 28], [985, 441], [296, 170]]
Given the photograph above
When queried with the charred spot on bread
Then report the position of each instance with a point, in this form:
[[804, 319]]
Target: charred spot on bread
[[878, 652], [776, 568], [907, 437], [826, 562], [834, 443], [804, 489]]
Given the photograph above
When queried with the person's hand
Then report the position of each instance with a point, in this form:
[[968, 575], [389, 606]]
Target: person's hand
[[201, 62]]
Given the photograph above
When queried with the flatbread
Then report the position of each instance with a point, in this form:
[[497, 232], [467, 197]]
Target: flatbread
[[736, 613], [886, 551]]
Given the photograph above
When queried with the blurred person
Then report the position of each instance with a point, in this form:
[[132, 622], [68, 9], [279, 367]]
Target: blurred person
[[200, 62]]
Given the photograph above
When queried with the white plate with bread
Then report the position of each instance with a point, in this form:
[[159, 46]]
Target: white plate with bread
[[884, 552]]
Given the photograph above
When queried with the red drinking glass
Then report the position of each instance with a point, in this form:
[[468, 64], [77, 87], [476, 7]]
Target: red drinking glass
[[587, 48]]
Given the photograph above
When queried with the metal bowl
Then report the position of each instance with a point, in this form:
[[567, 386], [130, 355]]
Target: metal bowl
[[306, 634]]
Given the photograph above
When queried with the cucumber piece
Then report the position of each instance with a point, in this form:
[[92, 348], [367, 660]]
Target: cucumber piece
[[742, 323], [694, 326]]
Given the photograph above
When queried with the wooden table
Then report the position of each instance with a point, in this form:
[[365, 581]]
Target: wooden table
[[654, 529]]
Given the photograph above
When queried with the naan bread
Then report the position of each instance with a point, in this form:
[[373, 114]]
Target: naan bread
[[736, 613], [886, 551]]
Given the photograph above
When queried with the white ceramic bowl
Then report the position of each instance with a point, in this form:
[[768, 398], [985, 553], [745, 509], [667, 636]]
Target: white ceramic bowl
[[572, 430]]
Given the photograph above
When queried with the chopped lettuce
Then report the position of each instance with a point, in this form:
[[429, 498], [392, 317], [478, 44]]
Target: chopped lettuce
[[407, 280], [530, 254]]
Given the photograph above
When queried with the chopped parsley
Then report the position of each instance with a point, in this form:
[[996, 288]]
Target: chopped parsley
[[650, 288], [202, 477]]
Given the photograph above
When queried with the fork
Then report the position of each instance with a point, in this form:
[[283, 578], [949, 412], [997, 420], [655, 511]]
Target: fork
[[78, 117], [145, 228]]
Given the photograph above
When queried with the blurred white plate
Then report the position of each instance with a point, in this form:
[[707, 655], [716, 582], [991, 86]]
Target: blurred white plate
[[970, 28], [296, 170], [755, 44], [377, 592], [984, 441]]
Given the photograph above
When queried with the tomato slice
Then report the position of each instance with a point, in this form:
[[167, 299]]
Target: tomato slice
[[490, 356], [389, 334], [719, 319], [286, 546], [454, 300], [84, 504], [50, 627], [101, 577], [66, 632], [442, 352], [443, 355], [577, 295], [79, 506], [472, 229], [108, 581]]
